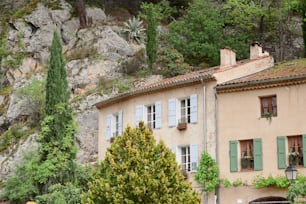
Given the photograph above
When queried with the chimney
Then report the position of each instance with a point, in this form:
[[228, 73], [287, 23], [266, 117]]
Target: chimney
[[227, 57], [256, 51]]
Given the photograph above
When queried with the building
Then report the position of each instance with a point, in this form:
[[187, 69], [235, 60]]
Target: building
[[181, 110], [261, 120]]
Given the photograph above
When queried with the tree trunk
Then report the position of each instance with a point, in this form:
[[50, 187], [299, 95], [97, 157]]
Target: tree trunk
[[80, 6]]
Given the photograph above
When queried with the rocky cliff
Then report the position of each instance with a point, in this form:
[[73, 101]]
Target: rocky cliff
[[96, 56]]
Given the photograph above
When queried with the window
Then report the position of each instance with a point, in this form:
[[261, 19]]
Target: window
[[116, 126], [185, 110], [268, 106], [247, 159], [185, 158], [151, 116], [295, 149], [250, 156], [113, 125]]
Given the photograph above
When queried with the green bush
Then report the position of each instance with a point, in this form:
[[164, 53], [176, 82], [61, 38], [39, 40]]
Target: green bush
[[270, 181]]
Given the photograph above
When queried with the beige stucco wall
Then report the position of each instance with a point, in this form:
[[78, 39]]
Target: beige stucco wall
[[239, 119]]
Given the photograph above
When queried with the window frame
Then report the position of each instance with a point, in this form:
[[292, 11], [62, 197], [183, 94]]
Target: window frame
[[297, 148], [247, 154], [185, 166], [150, 116], [184, 110], [272, 106]]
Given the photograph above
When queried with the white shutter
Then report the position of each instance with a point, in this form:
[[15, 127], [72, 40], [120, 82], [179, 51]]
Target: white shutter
[[108, 127], [139, 114], [193, 108], [120, 123], [172, 112], [177, 156], [193, 157], [158, 114]]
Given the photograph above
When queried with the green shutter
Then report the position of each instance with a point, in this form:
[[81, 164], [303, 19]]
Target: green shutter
[[304, 149], [257, 154], [281, 152], [233, 156]]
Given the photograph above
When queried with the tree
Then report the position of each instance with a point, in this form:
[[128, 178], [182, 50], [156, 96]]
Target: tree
[[137, 170], [80, 6], [57, 85], [53, 170], [207, 173], [198, 34]]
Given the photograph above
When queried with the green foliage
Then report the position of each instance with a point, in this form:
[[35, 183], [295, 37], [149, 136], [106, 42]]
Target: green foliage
[[237, 182], [151, 13], [13, 135], [137, 170], [121, 85], [207, 173], [134, 29], [57, 86], [82, 53], [297, 189], [34, 93], [226, 183], [60, 194], [22, 186], [270, 181], [198, 34], [25, 10], [172, 62]]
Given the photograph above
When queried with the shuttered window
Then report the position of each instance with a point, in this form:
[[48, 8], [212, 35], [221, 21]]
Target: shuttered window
[[233, 156], [281, 152], [108, 127], [187, 157], [158, 115], [193, 108], [194, 157], [139, 114], [120, 123], [172, 112], [258, 154]]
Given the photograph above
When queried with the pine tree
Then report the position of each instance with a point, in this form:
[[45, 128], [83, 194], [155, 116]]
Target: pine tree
[[137, 170], [57, 85]]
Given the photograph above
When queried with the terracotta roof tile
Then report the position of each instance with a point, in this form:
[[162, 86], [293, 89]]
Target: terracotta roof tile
[[286, 70], [206, 74]]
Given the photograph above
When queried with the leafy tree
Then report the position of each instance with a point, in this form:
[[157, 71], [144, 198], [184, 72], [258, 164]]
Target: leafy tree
[[137, 170], [298, 188], [198, 34], [207, 173]]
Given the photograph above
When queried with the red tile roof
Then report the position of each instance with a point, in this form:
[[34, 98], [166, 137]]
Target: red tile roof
[[291, 70], [206, 74]]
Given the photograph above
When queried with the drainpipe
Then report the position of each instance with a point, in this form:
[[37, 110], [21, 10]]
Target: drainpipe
[[204, 114], [204, 124], [217, 140]]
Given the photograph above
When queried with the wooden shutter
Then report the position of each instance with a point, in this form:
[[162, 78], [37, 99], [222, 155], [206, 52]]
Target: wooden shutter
[[108, 127], [172, 112], [257, 154], [120, 123], [304, 149], [281, 152], [158, 114], [139, 114], [233, 156], [194, 108], [193, 157]]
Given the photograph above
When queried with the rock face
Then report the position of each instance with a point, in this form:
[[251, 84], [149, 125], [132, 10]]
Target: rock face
[[92, 53]]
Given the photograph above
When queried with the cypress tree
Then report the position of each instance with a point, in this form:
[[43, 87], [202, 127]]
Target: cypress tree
[[151, 45], [57, 153], [57, 86]]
